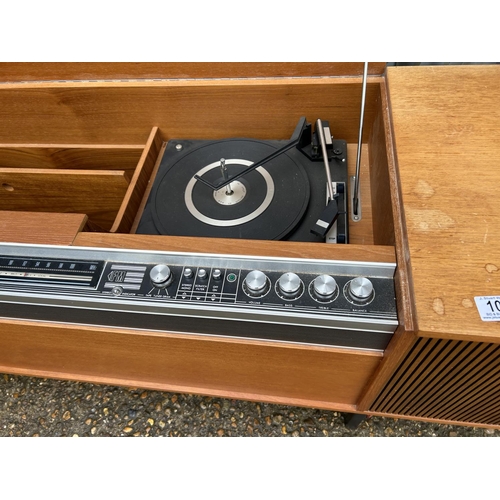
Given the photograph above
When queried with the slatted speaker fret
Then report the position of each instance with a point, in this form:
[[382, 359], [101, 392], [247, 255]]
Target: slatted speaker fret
[[446, 380]]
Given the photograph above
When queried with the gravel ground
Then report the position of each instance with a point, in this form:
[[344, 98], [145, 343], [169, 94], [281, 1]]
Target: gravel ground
[[43, 407]]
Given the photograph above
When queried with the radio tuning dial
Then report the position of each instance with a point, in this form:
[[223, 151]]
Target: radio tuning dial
[[361, 289], [290, 285], [256, 283], [324, 287], [161, 276]]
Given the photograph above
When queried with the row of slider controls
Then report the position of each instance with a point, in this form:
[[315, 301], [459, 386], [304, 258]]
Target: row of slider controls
[[161, 276]]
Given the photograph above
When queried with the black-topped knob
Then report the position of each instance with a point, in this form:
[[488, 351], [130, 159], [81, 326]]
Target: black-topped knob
[[161, 276]]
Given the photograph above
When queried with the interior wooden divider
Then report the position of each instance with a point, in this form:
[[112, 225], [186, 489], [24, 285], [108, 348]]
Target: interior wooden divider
[[71, 156], [96, 193], [147, 191], [138, 184], [106, 182]]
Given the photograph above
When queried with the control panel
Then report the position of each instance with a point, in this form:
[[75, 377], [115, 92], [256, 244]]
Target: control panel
[[347, 294], [298, 300]]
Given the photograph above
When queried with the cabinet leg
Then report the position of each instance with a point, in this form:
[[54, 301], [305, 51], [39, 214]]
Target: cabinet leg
[[352, 420]]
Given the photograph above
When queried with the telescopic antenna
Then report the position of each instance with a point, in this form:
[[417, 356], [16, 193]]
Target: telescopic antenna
[[356, 205]]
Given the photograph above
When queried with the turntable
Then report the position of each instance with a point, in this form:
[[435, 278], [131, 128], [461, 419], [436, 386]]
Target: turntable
[[253, 189]]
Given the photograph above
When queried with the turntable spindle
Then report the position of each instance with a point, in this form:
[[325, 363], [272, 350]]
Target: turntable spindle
[[223, 170]]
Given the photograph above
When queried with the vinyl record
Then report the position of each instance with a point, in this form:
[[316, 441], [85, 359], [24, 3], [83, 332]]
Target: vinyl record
[[266, 203]]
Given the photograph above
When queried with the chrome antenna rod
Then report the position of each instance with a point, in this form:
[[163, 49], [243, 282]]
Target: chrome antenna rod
[[356, 212]]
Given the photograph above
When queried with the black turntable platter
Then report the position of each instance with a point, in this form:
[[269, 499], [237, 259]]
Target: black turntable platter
[[267, 203], [252, 189]]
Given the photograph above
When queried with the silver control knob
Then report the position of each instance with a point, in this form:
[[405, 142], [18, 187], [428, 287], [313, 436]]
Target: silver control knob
[[289, 285], [188, 273], [361, 289], [202, 274], [161, 275], [217, 274], [256, 283], [324, 287]]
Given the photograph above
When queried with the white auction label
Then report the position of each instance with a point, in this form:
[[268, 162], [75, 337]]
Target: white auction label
[[488, 307]]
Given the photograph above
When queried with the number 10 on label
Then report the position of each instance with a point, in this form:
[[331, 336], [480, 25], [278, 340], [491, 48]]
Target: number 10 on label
[[488, 307]]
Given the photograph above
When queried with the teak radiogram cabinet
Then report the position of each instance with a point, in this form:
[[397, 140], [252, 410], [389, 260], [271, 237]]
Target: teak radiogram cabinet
[[79, 147]]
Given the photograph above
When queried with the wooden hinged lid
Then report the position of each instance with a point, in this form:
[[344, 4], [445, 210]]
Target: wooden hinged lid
[[28, 71], [446, 121]]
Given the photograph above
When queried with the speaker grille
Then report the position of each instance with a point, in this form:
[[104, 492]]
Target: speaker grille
[[446, 380]]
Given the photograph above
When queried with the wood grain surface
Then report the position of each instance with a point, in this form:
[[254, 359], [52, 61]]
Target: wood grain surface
[[446, 124], [70, 156], [40, 228], [361, 232], [387, 185], [147, 189], [103, 71], [138, 184], [292, 249], [267, 371], [96, 193], [119, 112]]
